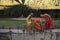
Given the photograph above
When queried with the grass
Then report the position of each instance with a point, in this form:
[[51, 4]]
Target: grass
[[56, 23], [23, 23], [12, 23]]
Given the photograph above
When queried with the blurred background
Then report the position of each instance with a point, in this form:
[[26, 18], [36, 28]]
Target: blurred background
[[13, 15]]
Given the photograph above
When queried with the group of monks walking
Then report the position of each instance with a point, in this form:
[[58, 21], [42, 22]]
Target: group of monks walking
[[41, 23]]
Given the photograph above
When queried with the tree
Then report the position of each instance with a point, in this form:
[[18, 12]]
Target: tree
[[23, 1]]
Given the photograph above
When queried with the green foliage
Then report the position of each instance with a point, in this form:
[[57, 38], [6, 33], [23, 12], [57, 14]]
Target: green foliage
[[22, 23]]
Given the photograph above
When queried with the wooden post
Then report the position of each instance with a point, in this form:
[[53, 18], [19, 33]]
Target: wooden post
[[10, 32], [57, 35], [23, 29], [43, 35], [51, 34], [34, 35]]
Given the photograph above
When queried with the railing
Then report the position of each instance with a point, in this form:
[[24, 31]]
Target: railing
[[16, 35]]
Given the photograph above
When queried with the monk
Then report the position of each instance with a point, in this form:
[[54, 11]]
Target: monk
[[49, 23], [29, 22], [37, 24]]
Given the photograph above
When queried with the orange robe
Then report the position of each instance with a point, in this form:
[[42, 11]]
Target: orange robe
[[37, 24]]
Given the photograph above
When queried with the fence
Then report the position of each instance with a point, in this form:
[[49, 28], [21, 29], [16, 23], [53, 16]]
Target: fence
[[29, 36]]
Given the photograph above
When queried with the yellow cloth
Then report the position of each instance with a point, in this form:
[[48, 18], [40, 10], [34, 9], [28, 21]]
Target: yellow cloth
[[29, 24], [29, 21]]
